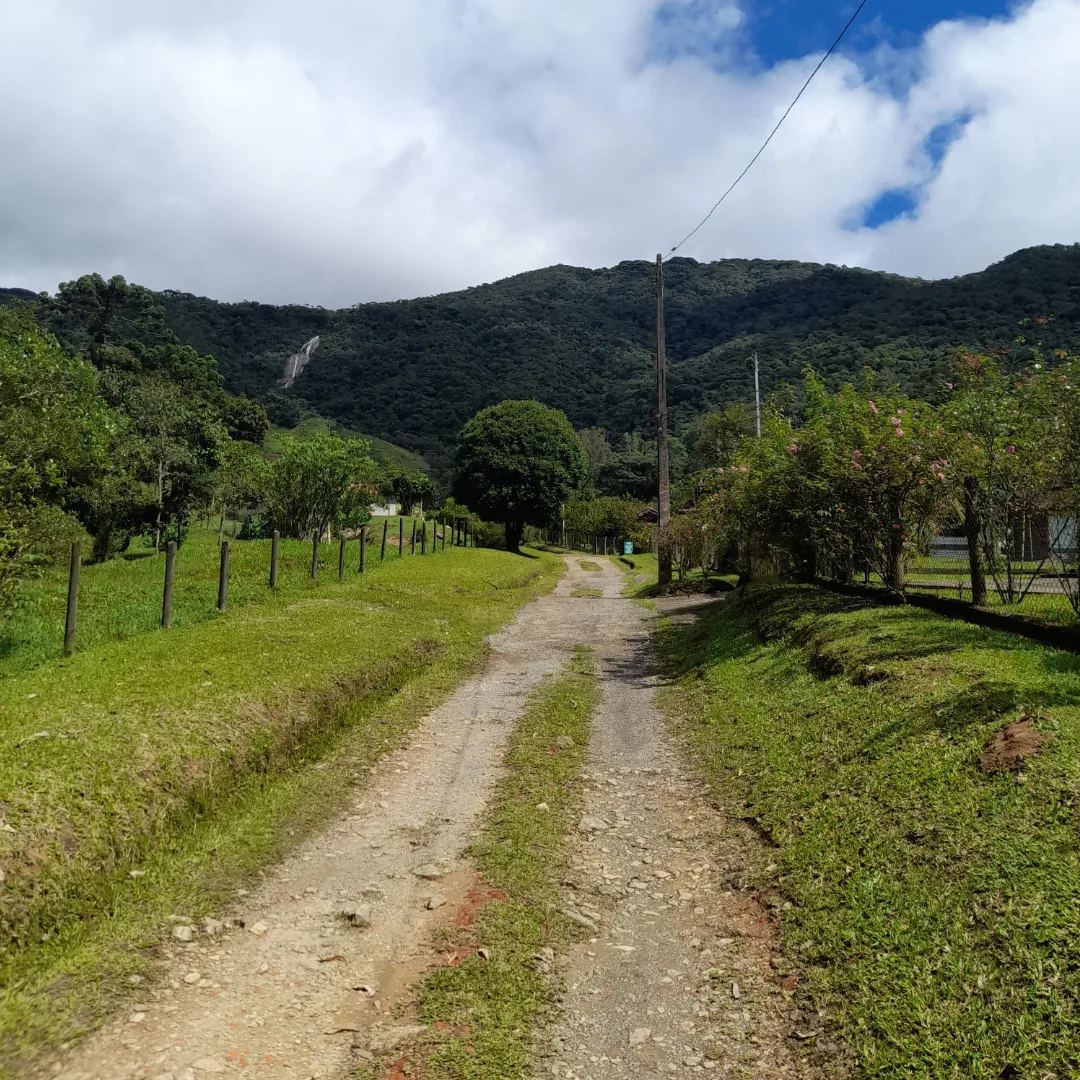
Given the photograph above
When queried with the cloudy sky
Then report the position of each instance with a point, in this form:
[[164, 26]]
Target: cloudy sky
[[335, 151]]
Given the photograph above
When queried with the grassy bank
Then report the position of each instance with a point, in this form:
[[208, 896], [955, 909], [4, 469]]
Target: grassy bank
[[936, 907], [187, 756], [121, 598], [487, 1010]]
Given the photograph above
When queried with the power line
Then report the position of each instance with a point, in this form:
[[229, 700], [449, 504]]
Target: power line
[[821, 62]]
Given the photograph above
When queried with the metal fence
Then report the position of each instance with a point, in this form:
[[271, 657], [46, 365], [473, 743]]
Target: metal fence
[[1026, 564]]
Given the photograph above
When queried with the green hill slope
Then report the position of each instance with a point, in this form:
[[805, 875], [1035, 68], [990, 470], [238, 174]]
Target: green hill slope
[[383, 451], [413, 371]]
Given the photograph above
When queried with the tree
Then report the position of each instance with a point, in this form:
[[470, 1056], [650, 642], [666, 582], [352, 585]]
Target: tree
[[318, 481], [408, 489], [243, 477], [246, 419], [56, 438], [518, 462]]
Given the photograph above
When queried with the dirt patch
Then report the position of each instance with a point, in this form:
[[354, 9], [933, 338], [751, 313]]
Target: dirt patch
[[1009, 747]]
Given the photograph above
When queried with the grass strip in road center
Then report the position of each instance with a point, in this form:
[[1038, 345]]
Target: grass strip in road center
[[486, 1011]]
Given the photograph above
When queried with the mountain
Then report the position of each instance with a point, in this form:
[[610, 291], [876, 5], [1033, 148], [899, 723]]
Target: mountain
[[412, 371]]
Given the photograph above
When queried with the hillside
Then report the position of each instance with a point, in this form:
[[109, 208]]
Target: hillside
[[381, 451], [411, 372]]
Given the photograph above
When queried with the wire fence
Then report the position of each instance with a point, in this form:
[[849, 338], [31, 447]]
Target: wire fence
[[1024, 563]]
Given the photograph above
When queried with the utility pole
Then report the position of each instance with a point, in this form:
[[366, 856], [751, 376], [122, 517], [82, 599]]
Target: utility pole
[[757, 397], [663, 493]]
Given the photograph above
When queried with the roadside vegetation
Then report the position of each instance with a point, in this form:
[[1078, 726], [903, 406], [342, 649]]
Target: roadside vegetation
[[484, 1011], [919, 778], [156, 774]]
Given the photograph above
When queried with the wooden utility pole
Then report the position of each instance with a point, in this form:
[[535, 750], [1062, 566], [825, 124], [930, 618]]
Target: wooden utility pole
[[663, 492], [757, 397]]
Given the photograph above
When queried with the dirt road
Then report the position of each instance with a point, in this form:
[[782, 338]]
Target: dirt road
[[677, 981]]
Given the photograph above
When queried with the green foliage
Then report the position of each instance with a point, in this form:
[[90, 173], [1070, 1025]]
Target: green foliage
[[408, 489], [580, 340], [56, 433], [928, 908], [605, 516], [318, 481], [518, 462], [246, 419]]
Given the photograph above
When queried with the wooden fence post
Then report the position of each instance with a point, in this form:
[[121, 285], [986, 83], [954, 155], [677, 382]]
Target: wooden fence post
[[400, 536], [341, 558], [223, 577], [314, 554], [412, 549], [423, 537], [72, 598], [363, 548], [382, 550], [275, 544], [444, 536], [166, 598]]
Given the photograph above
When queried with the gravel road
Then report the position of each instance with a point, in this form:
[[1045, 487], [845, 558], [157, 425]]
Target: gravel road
[[302, 976]]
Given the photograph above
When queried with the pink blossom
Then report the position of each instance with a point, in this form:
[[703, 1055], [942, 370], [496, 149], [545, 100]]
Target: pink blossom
[[899, 432], [873, 408], [720, 468], [896, 526], [1010, 449], [793, 448], [899, 412], [949, 385], [941, 476], [856, 464], [970, 436], [858, 453], [895, 422]]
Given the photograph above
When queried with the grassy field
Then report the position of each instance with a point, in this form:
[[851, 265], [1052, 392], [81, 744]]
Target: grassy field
[[189, 756], [121, 598], [488, 1009], [935, 907]]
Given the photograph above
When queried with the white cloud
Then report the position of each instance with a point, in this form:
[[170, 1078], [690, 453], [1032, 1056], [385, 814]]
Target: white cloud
[[338, 151]]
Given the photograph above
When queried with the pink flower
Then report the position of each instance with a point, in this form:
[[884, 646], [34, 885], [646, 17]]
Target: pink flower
[[720, 468], [970, 436], [899, 432], [895, 422], [896, 526], [949, 385], [856, 464], [793, 448], [858, 453], [899, 412], [941, 476], [873, 408], [1010, 449]]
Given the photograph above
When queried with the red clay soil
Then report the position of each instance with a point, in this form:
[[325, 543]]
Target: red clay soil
[[1008, 748]]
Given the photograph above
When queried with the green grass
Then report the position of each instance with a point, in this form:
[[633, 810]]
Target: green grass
[[190, 755], [492, 1007], [592, 567], [936, 909], [588, 593], [121, 598], [386, 452]]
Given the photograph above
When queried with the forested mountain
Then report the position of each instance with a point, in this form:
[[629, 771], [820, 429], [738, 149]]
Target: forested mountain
[[413, 371]]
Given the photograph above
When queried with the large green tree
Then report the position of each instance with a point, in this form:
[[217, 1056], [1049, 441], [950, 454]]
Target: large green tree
[[518, 462]]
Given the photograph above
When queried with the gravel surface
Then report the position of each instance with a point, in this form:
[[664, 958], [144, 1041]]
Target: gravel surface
[[350, 908], [682, 977], [303, 976]]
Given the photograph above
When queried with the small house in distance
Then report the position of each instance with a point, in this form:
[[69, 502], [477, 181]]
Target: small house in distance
[[386, 509]]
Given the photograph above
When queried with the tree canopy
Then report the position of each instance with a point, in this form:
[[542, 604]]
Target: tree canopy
[[518, 462]]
